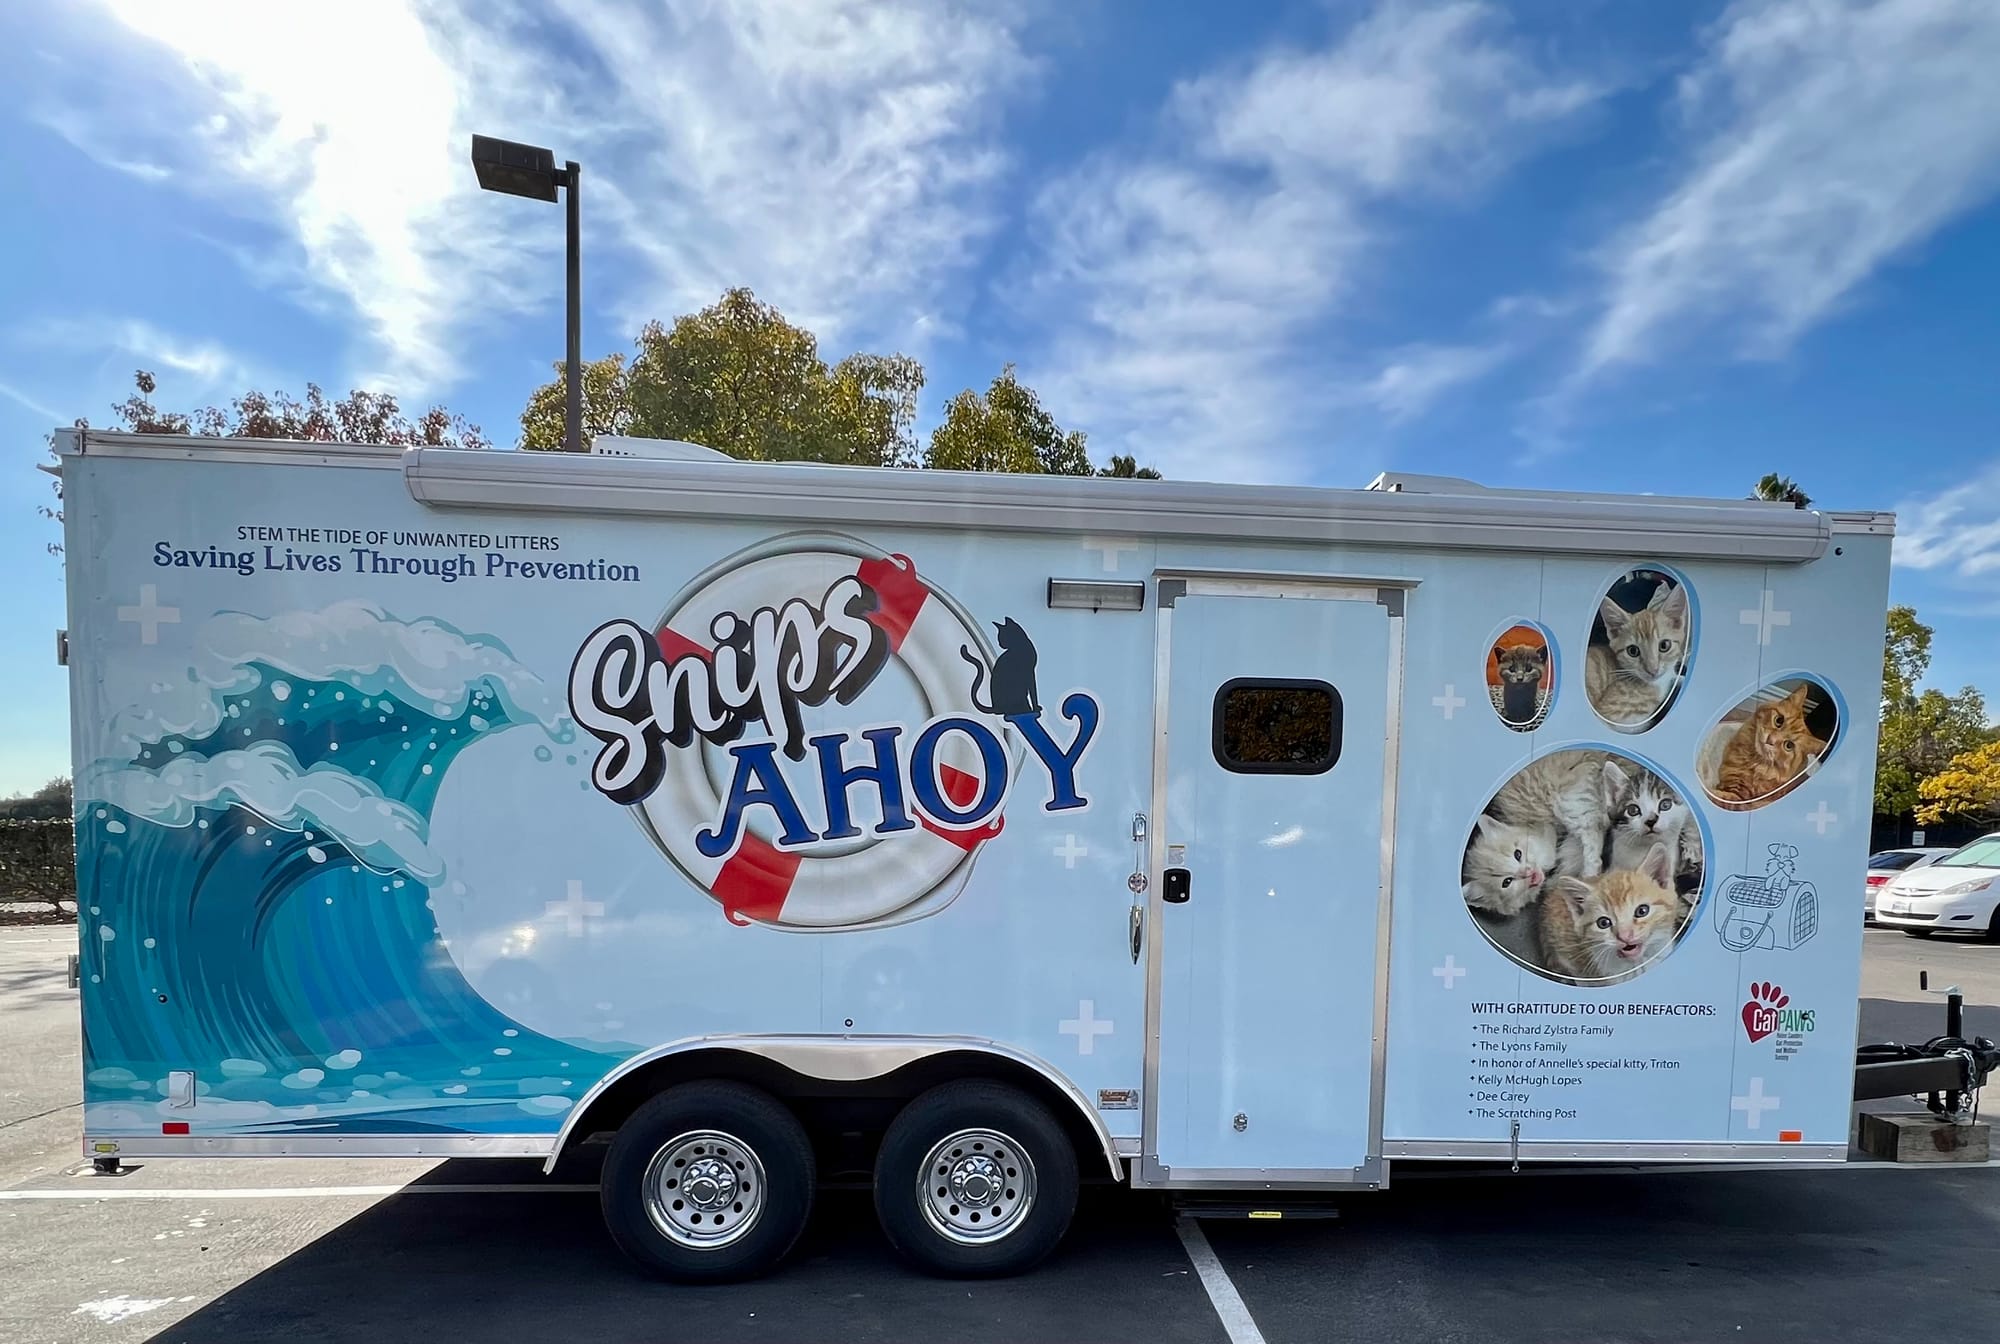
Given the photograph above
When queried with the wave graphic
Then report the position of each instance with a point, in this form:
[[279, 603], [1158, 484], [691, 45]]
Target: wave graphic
[[256, 880]]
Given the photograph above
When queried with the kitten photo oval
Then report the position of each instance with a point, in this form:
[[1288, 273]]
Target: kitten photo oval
[[1641, 638], [1585, 867], [1521, 675], [1769, 743]]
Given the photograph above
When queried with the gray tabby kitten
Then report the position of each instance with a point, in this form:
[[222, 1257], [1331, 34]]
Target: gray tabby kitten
[[1629, 676], [1569, 792], [1645, 811]]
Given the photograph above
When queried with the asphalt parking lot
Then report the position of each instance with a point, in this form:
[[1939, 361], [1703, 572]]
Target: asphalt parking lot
[[310, 1251]]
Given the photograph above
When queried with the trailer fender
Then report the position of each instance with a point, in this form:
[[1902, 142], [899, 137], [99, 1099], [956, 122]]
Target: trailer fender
[[842, 1059]]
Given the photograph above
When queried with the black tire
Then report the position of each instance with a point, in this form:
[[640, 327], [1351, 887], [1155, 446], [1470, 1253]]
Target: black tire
[[1918, 933], [1001, 1130], [1993, 926], [753, 1130]]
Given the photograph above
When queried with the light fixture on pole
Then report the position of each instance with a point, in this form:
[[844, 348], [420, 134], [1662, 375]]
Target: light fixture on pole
[[529, 170]]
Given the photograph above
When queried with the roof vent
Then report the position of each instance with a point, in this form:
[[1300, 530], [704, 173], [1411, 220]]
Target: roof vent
[[659, 450], [1410, 483]]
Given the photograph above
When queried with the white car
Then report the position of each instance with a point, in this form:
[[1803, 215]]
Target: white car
[[1959, 893], [1889, 864]]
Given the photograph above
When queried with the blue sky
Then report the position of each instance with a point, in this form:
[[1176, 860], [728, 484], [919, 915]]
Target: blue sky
[[1590, 246]]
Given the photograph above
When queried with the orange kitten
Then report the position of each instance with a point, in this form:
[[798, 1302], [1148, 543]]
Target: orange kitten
[[1606, 929], [1769, 750]]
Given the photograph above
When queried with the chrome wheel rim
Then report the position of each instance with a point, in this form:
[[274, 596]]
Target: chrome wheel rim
[[704, 1189], [976, 1186]]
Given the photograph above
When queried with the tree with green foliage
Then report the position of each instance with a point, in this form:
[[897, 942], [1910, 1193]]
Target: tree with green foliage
[[1922, 730], [1007, 429], [739, 378], [1782, 490]]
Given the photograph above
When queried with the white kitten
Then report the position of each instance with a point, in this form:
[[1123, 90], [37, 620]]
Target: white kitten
[[1505, 865]]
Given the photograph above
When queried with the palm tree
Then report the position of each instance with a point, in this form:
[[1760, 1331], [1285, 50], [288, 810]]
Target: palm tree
[[1782, 490]]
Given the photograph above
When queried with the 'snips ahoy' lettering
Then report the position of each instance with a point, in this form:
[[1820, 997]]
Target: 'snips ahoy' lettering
[[653, 697]]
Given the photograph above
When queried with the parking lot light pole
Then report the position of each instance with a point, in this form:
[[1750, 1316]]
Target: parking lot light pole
[[529, 170]]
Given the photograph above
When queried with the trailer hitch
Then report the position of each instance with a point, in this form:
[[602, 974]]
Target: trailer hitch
[[1948, 1070]]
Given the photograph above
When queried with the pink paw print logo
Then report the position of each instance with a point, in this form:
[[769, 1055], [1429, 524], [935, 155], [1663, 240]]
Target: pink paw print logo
[[1760, 1014]]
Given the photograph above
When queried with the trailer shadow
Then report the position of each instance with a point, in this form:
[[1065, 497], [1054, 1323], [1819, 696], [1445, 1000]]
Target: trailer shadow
[[525, 1266], [1820, 1256]]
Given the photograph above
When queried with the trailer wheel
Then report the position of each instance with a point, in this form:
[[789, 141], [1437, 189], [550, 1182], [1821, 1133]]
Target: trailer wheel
[[975, 1179], [708, 1182]]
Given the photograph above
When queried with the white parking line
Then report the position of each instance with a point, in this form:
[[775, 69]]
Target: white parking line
[[1222, 1294], [302, 1192]]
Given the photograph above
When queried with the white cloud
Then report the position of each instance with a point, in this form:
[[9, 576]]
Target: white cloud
[[1955, 531], [840, 159], [30, 403], [1414, 377], [208, 364], [837, 157], [1828, 137], [1188, 280]]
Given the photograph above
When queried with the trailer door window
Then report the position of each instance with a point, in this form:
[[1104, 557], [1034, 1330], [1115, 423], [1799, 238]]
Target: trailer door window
[[1277, 726]]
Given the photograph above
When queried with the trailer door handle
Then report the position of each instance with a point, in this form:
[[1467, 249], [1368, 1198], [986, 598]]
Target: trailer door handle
[[1174, 886]]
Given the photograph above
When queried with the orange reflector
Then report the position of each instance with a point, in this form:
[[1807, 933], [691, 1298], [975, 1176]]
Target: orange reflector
[[1791, 1135]]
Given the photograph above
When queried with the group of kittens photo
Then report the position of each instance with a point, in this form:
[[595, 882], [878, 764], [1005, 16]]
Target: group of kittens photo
[[1585, 864]]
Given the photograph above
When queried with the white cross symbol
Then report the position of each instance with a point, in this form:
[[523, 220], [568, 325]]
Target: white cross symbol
[[1821, 818], [1764, 617], [575, 908], [1085, 1026], [1111, 547], [1450, 702], [1754, 1105], [150, 614], [1070, 850], [1449, 972]]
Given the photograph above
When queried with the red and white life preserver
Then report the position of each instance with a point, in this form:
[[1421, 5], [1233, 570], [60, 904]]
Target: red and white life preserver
[[874, 879]]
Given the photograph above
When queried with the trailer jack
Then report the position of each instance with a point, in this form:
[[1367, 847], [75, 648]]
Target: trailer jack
[[1947, 1070]]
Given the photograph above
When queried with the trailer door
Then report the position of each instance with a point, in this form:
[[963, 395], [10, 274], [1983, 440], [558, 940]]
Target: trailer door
[[1276, 771]]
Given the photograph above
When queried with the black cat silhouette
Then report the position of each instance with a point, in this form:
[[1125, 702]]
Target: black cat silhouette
[[1013, 673]]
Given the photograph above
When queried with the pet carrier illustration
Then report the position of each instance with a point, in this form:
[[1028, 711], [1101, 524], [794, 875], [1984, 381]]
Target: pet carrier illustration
[[1775, 911]]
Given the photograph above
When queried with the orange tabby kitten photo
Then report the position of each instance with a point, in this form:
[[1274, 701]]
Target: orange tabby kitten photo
[[1770, 751]]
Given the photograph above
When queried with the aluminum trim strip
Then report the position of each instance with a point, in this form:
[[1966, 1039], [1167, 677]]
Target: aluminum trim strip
[[1478, 520], [1149, 1122], [1543, 524], [1492, 1150], [322, 1145], [1150, 1175], [1392, 758]]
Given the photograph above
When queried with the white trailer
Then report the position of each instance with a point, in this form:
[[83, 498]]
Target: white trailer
[[982, 833]]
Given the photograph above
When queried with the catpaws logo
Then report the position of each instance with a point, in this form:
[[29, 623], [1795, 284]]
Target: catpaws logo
[[1769, 1012]]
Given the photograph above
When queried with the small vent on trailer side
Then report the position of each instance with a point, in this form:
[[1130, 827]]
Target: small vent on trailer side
[[1775, 911]]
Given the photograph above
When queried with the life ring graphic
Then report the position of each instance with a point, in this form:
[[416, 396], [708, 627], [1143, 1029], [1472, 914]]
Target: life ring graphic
[[875, 880]]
